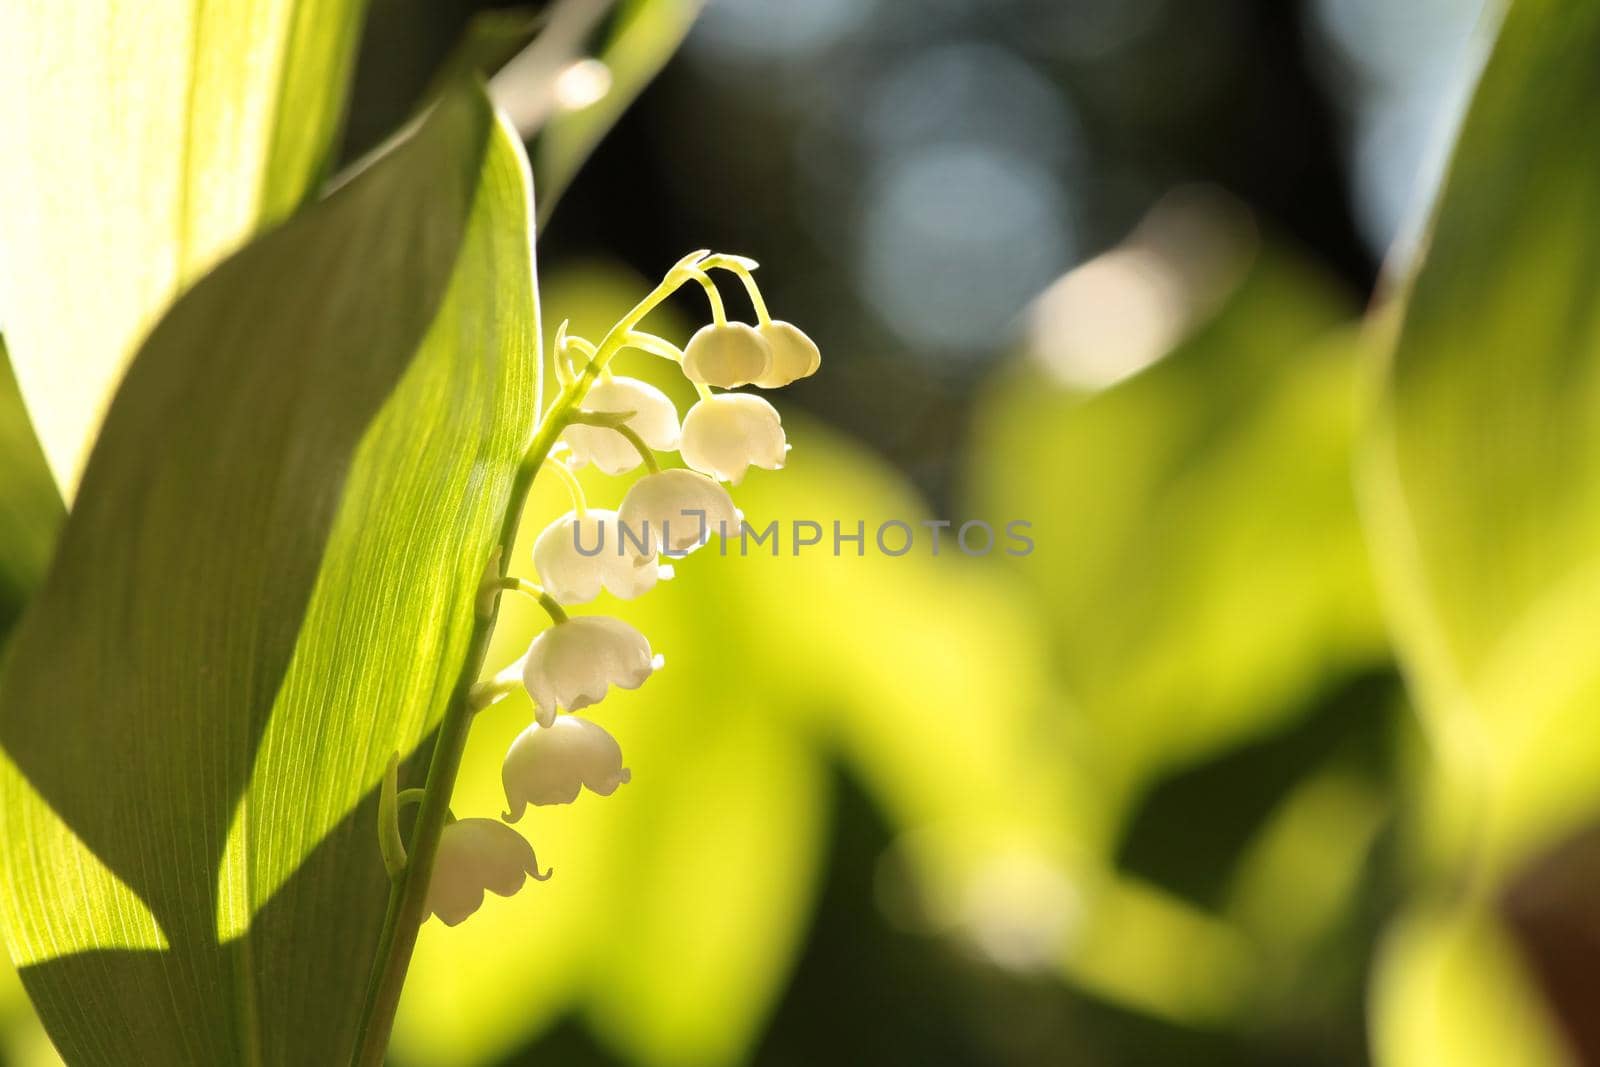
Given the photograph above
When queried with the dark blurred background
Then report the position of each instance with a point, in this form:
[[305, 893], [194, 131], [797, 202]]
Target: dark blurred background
[[923, 168]]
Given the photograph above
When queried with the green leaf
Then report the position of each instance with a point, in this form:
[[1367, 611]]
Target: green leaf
[[1483, 488], [266, 587], [1484, 471], [30, 507], [491, 39], [645, 35], [1200, 571], [144, 142], [1450, 988]]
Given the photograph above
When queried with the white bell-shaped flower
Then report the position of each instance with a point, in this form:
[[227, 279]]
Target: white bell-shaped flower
[[794, 355], [727, 434], [578, 555], [551, 764], [726, 355], [572, 664], [654, 419], [476, 855], [677, 511]]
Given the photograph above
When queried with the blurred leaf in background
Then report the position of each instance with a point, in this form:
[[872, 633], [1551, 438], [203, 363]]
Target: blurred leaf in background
[[592, 94], [1182, 441], [264, 589], [145, 141], [1483, 480], [1183, 454]]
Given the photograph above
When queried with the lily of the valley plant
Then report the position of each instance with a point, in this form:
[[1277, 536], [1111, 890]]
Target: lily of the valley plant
[[618, 424]]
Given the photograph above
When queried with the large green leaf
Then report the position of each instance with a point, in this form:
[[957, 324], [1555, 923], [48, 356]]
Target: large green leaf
[[143, 142], [30, 507], [1199, 567], [1483, 486], [266, 588], [1484, 474]]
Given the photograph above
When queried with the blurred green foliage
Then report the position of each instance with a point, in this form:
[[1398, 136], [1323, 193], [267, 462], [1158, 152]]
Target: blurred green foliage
[[1150, 792]]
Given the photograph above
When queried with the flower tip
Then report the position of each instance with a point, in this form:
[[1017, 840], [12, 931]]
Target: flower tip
[[657, 662], [545, 877]]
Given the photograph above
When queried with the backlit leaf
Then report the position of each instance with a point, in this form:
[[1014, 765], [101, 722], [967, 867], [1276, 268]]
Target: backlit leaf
[[265, 588], [143, 142], [1200, 570], [1484, 475]]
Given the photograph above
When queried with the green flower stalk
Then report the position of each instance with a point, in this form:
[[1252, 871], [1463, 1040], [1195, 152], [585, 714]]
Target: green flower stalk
[[616, 424]]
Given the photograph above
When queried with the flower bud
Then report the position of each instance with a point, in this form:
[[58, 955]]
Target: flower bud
[[475, 855], [551, 764], [794, 355], [727, 355], [654, 419], [726, 435], [572, 664], [677, 510], [577, 555]]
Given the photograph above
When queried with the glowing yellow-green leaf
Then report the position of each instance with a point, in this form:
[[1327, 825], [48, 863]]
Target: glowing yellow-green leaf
[[265, 588], [143, 142], [1449, 988], [1198, 565], [1484, 474]]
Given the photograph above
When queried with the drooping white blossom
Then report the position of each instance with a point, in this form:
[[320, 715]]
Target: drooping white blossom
[[654, 419], [572, 664], [727, 434], [578, 555], [727, 355], [794, 355], [552, 764], [476, 855], [678, 511]]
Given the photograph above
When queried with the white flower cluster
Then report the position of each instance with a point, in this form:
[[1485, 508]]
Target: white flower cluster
[[616, 425]]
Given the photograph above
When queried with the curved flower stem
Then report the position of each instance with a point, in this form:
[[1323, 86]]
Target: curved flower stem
[[410, 796], [552, 607], [656, 346], [580, 503], [408, 894], [609, 421], [742, 268], [719, 314], [488, 693]]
